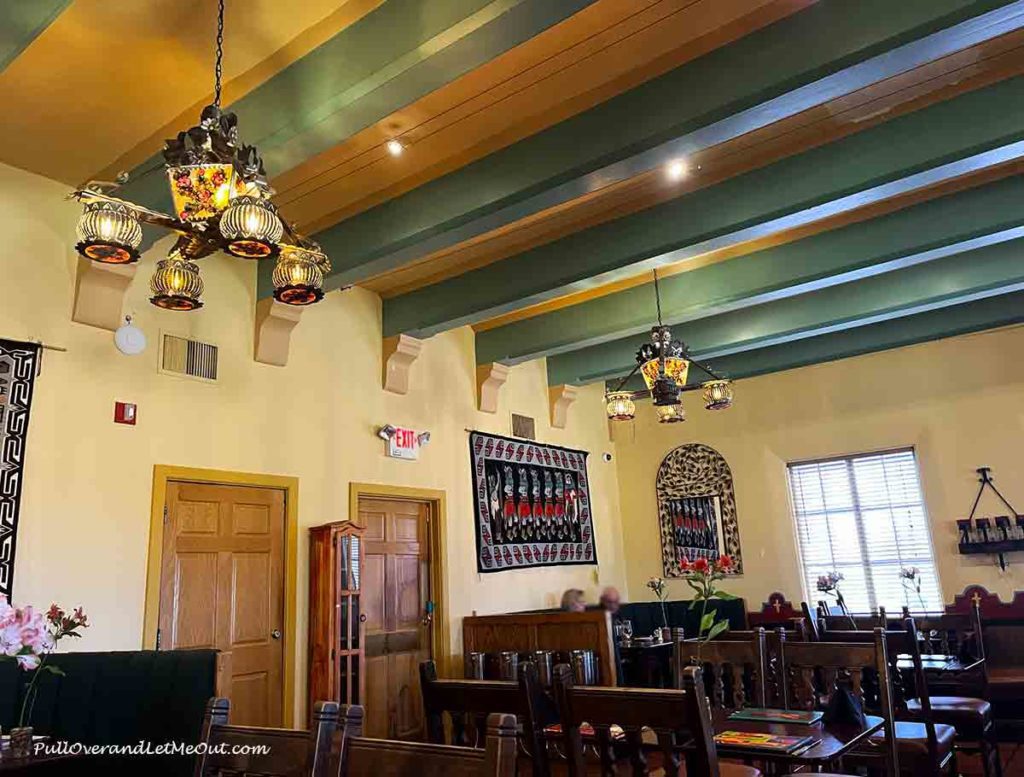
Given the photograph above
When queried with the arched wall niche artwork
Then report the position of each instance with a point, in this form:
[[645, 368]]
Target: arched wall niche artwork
[[696, 508]]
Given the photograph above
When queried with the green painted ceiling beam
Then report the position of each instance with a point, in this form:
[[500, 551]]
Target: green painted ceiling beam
[[974, 316], [974, 131], [952, 280], [923, 233], [396, 54], [21, 22], [821, 53]]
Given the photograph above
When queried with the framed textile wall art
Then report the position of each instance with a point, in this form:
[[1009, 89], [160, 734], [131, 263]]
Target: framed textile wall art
[[18, 364], [696, 508], [532, 504]]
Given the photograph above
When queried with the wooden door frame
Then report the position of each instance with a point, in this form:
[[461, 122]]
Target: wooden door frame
[[162, 475], [437, 501]]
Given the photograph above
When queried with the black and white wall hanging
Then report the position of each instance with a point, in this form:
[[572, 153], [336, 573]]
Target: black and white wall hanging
[[696, 508], [532, 504], [18, 365]]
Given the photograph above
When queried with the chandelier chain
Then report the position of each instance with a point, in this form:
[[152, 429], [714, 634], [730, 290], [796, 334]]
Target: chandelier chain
[[657, 296], [218, 68]]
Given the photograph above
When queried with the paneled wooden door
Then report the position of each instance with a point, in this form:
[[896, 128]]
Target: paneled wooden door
[[396, 600], [222, 586]]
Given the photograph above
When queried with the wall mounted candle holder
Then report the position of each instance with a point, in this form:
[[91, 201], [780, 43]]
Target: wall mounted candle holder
[[978, 535]]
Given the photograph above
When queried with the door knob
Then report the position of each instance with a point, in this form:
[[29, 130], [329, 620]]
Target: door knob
[[275, 634]]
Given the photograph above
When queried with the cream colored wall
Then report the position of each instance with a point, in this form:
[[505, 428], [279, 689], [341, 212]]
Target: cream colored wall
[[85, 510], [959, 402]]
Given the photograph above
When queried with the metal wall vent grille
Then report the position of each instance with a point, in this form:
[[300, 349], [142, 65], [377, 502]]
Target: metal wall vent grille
[[181, 356]]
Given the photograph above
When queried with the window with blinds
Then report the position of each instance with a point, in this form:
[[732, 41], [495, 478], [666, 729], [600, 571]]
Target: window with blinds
[[864, 516]]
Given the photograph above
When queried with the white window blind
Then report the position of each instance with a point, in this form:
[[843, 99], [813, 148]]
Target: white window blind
[[864, 516]]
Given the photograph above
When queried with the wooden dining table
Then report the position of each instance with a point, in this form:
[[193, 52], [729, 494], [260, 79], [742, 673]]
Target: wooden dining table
[[933, 662], [833, 740]]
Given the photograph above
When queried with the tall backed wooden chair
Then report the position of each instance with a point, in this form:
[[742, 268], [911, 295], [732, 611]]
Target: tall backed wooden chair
[[675, 718], [957, 699], [926, 746], [274, 752], [832, 618], [811, 671], [468, 703], [811, 621], [361, 757], [960, 635], [735, 670]]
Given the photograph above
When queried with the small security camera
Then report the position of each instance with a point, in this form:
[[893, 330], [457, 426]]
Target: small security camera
[[606, 456]]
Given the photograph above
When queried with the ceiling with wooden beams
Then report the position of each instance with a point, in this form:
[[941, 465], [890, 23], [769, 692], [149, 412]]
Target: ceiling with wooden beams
[[811, 178]]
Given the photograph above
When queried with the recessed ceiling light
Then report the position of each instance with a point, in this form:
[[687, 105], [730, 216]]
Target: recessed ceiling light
[[395, 147], [676, 169]]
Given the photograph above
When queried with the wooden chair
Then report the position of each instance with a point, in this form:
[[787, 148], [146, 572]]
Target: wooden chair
[[360, 757], [675, 718], [960, 635], [475, 700], [796, 631], [960, 700], [288, 752], [925, 745], [830, 617], [811, 671], [737, 669]]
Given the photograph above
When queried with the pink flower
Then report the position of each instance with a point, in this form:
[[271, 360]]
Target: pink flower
[[28, 662], [80, 617], [10, 640], [684, 564], [724, 562], [54, 614], [701, 565], [7, 613]]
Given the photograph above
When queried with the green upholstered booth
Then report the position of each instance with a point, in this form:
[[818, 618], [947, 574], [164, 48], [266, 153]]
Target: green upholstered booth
[[119, 698], [646, 616]]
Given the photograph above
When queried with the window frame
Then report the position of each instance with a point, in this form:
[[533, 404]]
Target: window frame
[[848, 459]]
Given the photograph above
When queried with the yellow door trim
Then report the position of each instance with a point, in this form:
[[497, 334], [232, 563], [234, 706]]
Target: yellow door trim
[[438, 502], [162, 474]]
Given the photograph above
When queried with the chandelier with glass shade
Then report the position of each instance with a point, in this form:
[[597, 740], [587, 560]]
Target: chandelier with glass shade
[[222, 202], [664, 364]]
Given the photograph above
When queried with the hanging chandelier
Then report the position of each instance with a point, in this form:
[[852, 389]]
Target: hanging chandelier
[[664, 364], [222, 202]]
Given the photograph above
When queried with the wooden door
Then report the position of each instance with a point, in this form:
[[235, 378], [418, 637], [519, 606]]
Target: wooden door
[[395, 596], [222, 586]]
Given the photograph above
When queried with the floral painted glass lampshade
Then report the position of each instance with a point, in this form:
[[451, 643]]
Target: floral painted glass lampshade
[[200, 192], [676, 368]]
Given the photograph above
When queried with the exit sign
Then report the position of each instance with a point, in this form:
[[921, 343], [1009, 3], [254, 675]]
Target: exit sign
[[403, 444]]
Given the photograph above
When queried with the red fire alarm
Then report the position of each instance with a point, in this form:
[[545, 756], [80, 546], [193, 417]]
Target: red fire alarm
[[124, 413]]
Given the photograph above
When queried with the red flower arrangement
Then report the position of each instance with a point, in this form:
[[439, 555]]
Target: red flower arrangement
[[702, 576]]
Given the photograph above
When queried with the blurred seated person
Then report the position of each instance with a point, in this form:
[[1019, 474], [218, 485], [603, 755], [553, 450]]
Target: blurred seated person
[[610, 600], [572, 600]]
